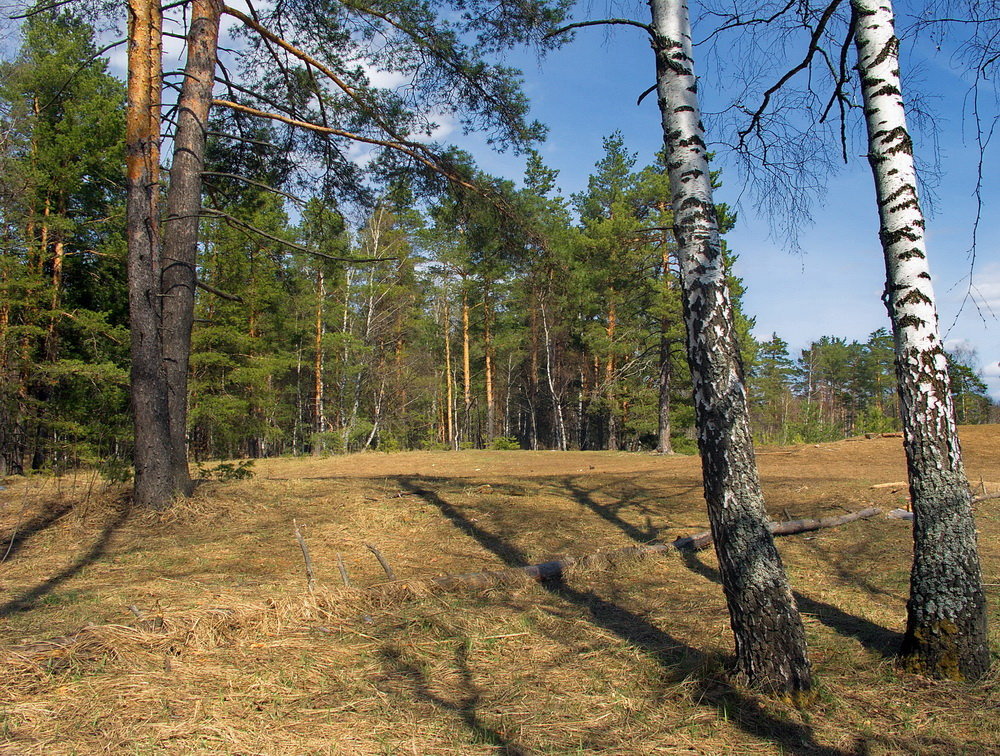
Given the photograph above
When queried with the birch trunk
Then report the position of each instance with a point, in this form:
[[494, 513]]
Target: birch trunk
[[770, 643], [946, 614], [180, 243], [154, 484]]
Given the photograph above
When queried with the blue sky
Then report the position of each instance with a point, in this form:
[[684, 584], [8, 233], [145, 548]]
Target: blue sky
[[588, 89]]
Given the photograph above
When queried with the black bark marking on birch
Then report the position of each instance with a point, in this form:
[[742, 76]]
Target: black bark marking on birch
[[892, 238], [693, 140], [915, 297], [911, 202], [684, 109], [906, 188], [909, 254], [889, 49], [911, 321]]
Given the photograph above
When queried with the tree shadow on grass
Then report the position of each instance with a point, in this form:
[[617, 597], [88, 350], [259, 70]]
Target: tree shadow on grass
[[611, 512], [874, 637], [28, 600], [13, 541], [395, 662], [679, 659]]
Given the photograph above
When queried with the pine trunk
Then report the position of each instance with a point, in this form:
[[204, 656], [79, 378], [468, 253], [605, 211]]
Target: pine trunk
[[489, 370], [449, 381], [946, 614], [318, 416], [770, 643], [466, 369], [180, 244], [663, 444], [154, 484]]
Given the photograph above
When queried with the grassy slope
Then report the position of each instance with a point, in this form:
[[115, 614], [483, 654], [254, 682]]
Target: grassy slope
[[232, 655]]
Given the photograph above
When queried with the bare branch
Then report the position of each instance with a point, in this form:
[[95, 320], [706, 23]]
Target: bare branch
[[259, 184], [812, 50], [246, 227], [218, 292], [603, 22]]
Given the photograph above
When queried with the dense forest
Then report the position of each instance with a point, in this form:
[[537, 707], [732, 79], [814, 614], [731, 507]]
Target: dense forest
[[421, 315]]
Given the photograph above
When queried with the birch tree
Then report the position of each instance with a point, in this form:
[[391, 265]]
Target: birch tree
[[770, 642], [946, 613]]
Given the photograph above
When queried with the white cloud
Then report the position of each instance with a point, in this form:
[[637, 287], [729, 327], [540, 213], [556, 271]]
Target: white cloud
[[442, 126], [385, 79], [360, 154]]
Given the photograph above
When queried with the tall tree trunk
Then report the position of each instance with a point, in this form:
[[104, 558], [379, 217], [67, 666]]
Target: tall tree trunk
[[466, 366], [449, 380], [557, 409], [318, 417], [663, 443], [489, 370], [770, 643], [180, 244], [609, 379], [533, 371], [946, 613], [154, 482]]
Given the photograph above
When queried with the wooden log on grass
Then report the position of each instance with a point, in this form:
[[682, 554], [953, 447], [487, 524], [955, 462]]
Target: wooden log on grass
[[555, 568]]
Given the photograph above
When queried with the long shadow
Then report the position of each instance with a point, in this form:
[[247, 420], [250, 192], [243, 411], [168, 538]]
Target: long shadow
[[874, 637], [609, 512], [680, 659], [13, 541], [466, 708], [29, 598]]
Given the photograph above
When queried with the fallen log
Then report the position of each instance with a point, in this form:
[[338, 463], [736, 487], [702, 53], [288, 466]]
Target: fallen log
[[557, 567]]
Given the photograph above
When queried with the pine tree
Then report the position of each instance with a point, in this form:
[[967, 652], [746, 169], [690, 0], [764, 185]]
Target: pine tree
[[60, 316]]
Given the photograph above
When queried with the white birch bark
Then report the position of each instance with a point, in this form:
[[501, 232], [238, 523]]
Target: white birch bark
[[946, 622], [770, 643]]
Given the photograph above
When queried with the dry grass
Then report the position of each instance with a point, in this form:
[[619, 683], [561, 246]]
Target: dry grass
[[225, 651]]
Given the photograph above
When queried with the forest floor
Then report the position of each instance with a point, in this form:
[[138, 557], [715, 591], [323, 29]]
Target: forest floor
[[193, 631]]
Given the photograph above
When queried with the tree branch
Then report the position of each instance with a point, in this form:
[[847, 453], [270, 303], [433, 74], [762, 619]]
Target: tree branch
[[244, 226], [810, 53], [403, 147], [218, 292], [603, 22], [260, 184]]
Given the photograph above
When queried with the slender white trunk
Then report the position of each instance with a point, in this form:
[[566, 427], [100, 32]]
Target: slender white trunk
[[770, 643], [556, 398], [946, 613]]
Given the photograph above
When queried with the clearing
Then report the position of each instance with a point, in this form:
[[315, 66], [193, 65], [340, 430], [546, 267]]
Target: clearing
[[194, 632]]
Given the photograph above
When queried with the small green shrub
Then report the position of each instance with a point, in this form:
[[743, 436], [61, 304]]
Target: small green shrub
[[226, 471]]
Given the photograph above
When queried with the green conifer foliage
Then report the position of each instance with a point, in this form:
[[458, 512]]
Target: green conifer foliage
[[62, 317]]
